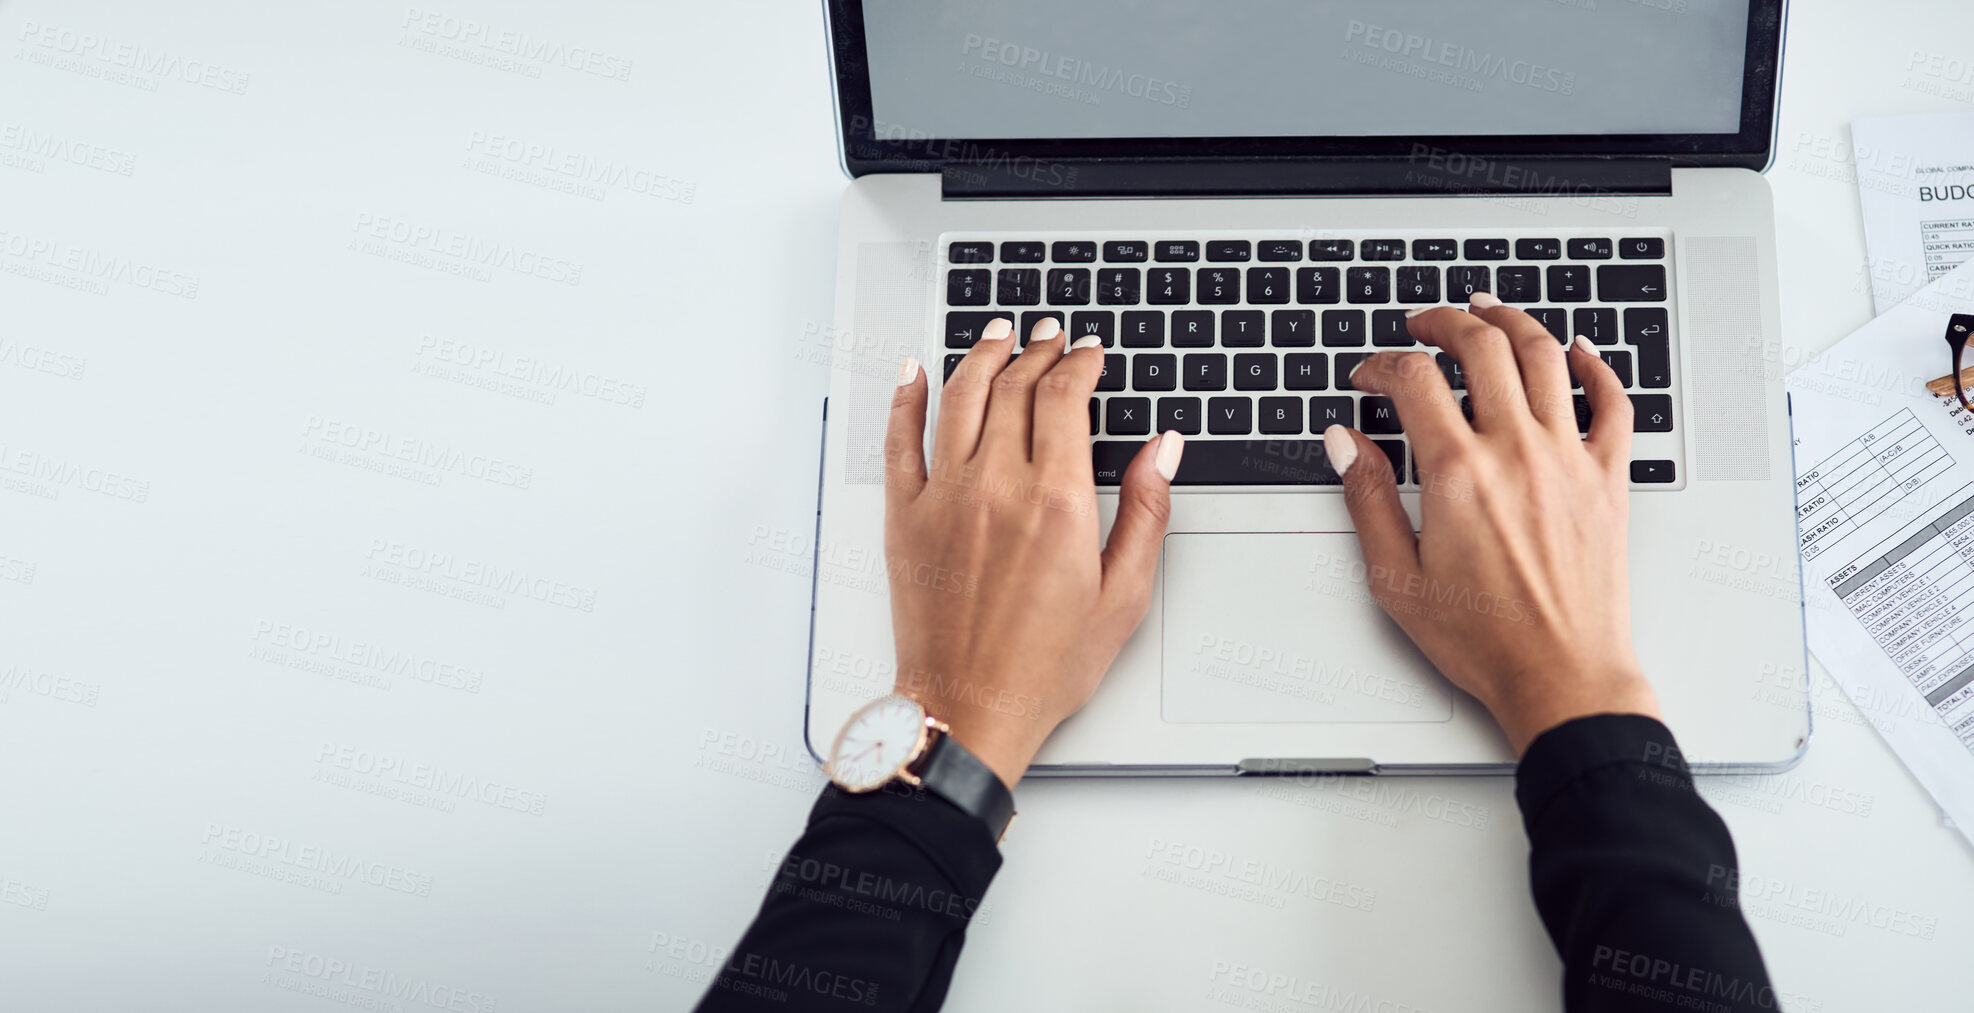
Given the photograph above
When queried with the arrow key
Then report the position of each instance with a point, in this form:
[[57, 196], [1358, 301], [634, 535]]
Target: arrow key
[[1651, 413]]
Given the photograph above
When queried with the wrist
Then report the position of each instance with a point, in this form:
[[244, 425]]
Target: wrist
[[1525, 716], [1004, 730]]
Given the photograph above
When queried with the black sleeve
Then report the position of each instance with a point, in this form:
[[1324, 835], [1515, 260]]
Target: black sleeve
[[867, 911], [1634, 874]]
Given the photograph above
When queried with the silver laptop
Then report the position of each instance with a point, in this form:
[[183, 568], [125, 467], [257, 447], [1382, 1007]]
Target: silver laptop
[[1243, 200]]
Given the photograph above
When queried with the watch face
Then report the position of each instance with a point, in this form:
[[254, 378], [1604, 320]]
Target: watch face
[[877, 743]]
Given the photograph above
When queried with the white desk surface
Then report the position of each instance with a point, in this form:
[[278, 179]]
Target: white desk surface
[[517, 798]]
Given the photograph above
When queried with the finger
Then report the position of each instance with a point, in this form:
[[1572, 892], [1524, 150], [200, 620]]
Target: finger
[[1144, 504], [1011, 403], [1539, 356], [1427, 407], [1494, 382], [1061, 444], [904, 437], [1391, 550], [1610, 408], [963, 398]]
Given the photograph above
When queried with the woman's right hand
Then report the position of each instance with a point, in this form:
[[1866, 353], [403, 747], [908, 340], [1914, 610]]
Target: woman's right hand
[[1515, 585]]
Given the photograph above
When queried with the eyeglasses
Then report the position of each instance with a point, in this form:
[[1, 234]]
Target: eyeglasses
[[1957, 332]]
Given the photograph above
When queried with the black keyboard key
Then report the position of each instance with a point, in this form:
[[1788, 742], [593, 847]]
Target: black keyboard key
[[1174, 251], [1128, 416], [1281, 416], [1317, 285], [1654, 364], [1651, 413], [1581, 404], [963, 328], [1022, 253], [1569, 283], [1599, 325], [1435, 249], [1383, 249], [1555, 321], [1118, 286], [1418, 284], [968, 288], [1278, 251], [1631, 283], [1456, 377], [1019, 286], [1306, 371], [1256, 462], [1127, 252], [1325, 412], [1229, 416], [1343, 328], [970, 253], [1642, 249], [1113, 374], [1620, 363], [1293, 328], [1100, 323], [953, 362], [1368, 284], [1095, 418], [1241, 329], [1518, 284], [1075, 251], [1192, 329], [1538, 249], [1181, 413], [1069, 286], [1111, 457], [1143, 329], [1463, 282], [1590, 249], [1486, 249], [1381, 416], [1226, 251], [1347, 361], [1254, 371], [1033, 317], [1267, 285], [1645, 324], [1652, 472], [1331, 249], [1395, 451], [1219, 286], [1388, 329], [1205, 371], [1168, 286], [1155, 371]]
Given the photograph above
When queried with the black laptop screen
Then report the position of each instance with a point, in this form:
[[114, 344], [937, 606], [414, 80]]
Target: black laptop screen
[[1303, 68]]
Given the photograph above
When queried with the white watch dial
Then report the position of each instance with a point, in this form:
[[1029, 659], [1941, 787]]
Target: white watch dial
[[877, 743]]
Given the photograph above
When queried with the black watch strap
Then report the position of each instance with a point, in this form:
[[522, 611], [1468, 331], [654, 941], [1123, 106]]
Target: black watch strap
[[952, 772]]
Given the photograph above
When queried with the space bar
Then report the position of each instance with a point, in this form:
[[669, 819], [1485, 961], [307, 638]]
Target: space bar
[[1227, 462]]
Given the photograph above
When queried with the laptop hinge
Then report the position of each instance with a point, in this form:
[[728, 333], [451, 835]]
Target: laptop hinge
[[1428, 171]]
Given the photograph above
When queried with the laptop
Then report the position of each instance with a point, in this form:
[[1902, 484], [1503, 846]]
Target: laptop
[[1243, 200]]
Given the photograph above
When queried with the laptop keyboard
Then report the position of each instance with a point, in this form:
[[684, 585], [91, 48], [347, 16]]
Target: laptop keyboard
[[1246, 345]]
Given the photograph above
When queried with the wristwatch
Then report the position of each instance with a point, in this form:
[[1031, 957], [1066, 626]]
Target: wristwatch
[[892, 738]]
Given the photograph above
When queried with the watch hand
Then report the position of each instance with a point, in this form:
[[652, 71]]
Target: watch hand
[[875, 745]]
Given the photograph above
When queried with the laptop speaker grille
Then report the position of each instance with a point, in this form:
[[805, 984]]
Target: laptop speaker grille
[[888, 323], [1728, 389]]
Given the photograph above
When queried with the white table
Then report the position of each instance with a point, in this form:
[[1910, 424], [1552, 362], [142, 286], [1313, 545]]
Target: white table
[[408, 461]]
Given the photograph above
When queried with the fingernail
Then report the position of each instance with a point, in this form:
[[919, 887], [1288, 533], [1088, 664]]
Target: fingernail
[[1485, 300], [1353, 371], [996, 329], [1409, 314], [907, 371], [1086, 341], [1171, 447], [1046, 330], [1339, 448], [1582, 344]]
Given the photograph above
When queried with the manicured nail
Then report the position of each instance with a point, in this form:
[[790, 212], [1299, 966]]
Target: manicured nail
[[1485, 300], [1087, 341], [1409, 314], [907, 371], [1353, 371], [1582, 344], [996, 329], [1339, 448], [1171, 447], [1046, 330]]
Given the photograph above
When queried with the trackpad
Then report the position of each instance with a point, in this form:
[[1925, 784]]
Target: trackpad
[[1282, 628]]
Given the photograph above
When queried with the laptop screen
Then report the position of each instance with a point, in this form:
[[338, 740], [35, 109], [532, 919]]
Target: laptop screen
[[1303, 68]]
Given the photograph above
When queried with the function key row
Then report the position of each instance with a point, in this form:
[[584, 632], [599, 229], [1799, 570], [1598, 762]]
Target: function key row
[[1235, 251], [1222, 286]]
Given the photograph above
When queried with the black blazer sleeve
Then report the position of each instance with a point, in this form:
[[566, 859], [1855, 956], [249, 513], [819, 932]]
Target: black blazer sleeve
[[867, 911], [1634, 874]]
